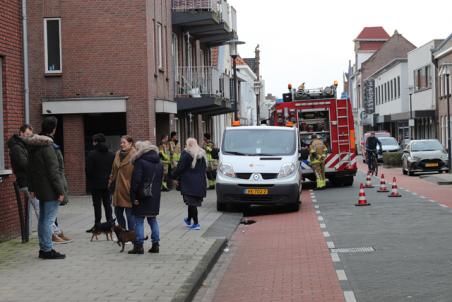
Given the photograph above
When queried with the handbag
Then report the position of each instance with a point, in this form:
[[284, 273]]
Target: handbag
[[147, 187]]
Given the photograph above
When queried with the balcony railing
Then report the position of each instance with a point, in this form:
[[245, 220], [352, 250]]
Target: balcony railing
[[201, 81], [196, 5], [220, 8]]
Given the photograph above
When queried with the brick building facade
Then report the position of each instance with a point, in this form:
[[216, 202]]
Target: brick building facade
[[11, 108], [100, 67], [443, 61]]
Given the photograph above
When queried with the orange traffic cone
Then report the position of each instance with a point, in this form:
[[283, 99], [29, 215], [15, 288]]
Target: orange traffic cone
[[394, 191], [368, 181], [362, 201], [383, 187]]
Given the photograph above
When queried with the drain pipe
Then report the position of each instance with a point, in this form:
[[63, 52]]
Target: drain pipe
[[25, 53]]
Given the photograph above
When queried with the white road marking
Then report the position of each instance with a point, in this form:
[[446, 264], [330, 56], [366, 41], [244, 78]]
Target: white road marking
[[317, 212], [443, 205], [311, 190], [320, 218], [423, 197], [335, 257], [414, 193], [349, 296], [431, 200], [341, 275], [326, 234], [314, 200], [323, 226], [316, 206], [330, 244]]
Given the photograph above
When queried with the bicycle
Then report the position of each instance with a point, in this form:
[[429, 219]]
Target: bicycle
[[373, 158]]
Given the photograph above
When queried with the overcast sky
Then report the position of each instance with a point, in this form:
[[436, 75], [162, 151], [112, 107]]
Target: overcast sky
[[312, 41]]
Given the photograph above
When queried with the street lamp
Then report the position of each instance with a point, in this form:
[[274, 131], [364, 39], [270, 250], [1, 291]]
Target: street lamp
[[257, 91], [233, 51], [445, 70], [411, 121]]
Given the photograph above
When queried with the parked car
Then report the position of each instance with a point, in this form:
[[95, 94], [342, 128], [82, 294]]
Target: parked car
[[364, 139], [424, 156], [388, 144]]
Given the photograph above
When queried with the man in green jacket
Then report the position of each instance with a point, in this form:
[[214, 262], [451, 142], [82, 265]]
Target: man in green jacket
[[18, 154], [45, 181]]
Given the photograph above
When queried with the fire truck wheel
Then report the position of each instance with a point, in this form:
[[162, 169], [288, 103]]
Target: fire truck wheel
[[348, 181]]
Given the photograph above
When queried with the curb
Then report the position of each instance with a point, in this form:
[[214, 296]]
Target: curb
[[188, 290]]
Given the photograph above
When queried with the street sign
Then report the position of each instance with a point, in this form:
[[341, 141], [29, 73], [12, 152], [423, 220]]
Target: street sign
[[411, 122]]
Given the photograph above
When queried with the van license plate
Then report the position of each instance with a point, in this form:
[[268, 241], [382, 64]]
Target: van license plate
[[430, 165], [256, 191]]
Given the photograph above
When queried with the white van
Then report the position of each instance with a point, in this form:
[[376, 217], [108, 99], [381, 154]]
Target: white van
[[259, 165]]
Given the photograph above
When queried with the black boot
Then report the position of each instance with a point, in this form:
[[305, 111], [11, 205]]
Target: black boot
[[155, 248], [137, 249]]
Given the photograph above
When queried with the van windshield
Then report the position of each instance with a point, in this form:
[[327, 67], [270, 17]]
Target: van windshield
[[259, 142]]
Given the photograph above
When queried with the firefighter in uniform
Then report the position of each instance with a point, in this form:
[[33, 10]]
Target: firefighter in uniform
[[165, 156], [212, 162], [318, 152], [175, 150]]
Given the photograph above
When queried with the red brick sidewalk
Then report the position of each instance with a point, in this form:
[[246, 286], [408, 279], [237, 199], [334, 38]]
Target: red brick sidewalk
[[282, 257], [441, 194]]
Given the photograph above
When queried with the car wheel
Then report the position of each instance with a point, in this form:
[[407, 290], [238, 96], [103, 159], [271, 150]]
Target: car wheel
[[294, 207], [409, 172], [404, 171], [221, 207], [348, 181]]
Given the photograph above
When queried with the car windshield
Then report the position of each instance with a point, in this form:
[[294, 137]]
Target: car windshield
[[432, 145], [388, 141], [259, 142]]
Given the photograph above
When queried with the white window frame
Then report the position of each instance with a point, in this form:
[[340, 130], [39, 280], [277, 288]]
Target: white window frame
[[2, 143], [47, 71], [159, 33], [175, 55]]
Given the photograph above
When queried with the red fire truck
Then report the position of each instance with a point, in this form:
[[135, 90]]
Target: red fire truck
[[319, 112]]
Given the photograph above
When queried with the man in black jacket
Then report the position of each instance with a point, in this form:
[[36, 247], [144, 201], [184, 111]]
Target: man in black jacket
[[371, 146], [46, 181], [98, 170], [18, 154]]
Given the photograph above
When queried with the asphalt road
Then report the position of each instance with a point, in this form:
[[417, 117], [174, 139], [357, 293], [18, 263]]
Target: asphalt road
[[411, 236]]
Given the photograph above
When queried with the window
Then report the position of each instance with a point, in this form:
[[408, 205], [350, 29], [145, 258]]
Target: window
[[159, 45], [52, 45], [2, 146], [422, 78], [398, 86], [175, 56]]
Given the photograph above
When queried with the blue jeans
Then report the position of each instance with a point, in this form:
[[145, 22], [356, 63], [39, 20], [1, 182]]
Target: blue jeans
[[139, 229], [48, 211], [119, 213]]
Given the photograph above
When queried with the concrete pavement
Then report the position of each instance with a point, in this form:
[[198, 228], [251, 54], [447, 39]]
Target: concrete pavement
[[97, 271]]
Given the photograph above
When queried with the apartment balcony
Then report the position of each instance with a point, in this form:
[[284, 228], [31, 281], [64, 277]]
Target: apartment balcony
[[213, 22], [202, 90]]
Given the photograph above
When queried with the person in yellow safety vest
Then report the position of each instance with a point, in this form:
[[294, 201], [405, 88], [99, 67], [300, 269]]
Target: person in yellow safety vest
[[318, 152], [175, 151], [165, 156], [212, 164]]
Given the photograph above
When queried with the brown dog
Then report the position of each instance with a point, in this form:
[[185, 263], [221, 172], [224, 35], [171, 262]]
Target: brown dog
[[124, 236], [103, 228]]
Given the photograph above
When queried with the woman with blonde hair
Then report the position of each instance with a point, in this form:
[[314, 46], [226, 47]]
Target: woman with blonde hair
[[119, 183], [191, 173]]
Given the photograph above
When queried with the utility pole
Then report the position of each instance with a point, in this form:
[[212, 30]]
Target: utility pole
[[257, 59]]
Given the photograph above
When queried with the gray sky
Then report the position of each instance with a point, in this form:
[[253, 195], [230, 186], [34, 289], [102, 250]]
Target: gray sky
[[312, 41]]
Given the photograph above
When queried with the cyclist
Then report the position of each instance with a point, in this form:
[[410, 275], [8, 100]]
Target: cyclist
[[371, 148]]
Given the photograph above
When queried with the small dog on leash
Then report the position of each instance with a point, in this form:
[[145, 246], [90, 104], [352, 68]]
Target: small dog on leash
[[103, 228], [124, 236]]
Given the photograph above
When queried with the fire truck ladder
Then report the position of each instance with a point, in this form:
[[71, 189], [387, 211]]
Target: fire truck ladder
[[343, 137]]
